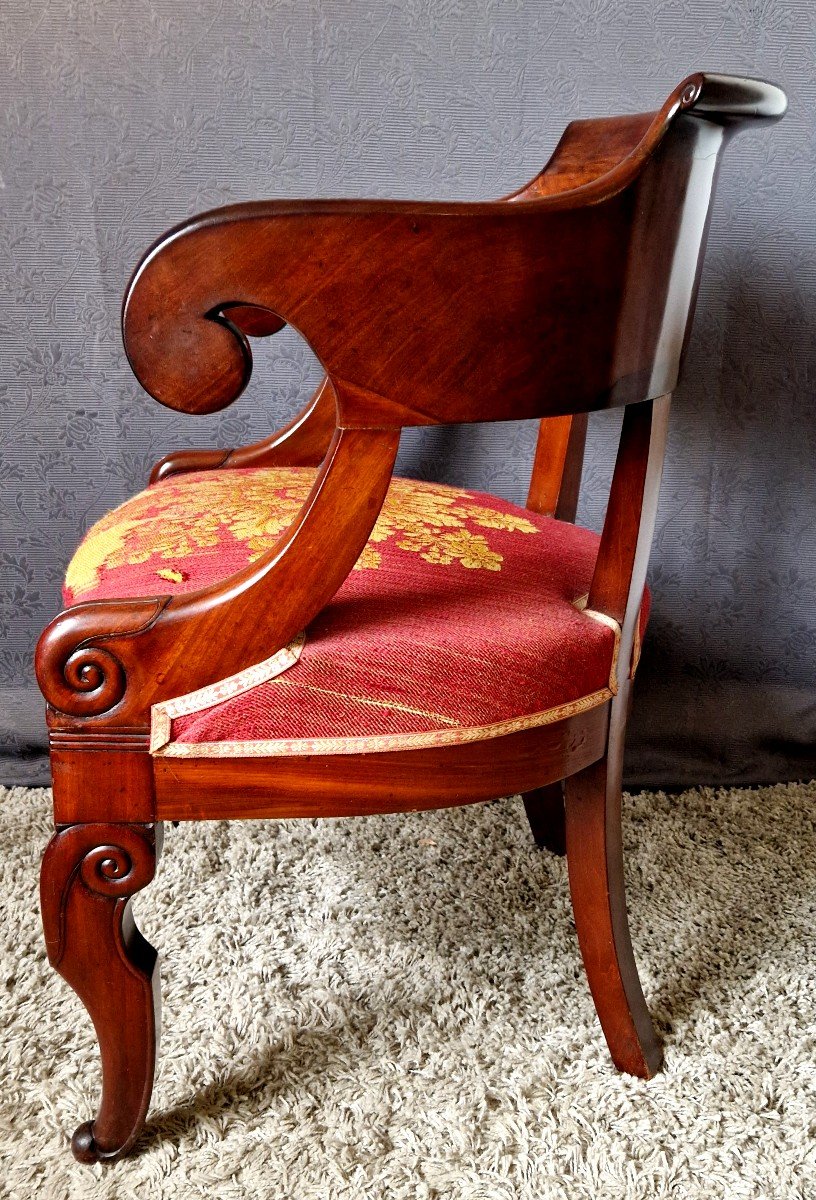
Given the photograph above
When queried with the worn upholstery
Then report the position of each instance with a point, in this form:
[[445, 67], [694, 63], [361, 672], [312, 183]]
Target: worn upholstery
[[463, 618]]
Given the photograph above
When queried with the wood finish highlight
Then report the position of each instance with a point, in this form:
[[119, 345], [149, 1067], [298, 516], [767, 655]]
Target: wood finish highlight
[[302, 443], [397, 781], [89, 873], [576, 293]]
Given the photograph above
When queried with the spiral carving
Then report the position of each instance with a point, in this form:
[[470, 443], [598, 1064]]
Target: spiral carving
[[95, 678], [691, 92], [189, 357], [83, 654], [88, 874], [113, 861], [114, 870]]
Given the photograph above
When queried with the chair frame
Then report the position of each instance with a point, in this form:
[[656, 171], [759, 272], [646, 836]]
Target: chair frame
[[426, 290]]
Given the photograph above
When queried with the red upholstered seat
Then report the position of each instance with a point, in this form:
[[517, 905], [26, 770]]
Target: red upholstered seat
[[462, 619]]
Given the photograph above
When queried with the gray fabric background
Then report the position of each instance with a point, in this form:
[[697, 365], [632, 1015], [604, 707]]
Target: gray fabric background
[[118, 120]]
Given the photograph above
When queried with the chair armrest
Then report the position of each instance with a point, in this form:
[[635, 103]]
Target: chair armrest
[[414, 309], [420, 313], [102, 664], [587, 150], [436, 313], [302, 443]]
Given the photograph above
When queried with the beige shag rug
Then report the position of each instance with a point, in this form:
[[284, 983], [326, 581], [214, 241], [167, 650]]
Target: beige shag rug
[[395, 1007]]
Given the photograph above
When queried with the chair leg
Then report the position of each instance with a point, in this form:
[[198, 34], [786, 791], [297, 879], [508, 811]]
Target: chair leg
[[595, 866], [89, 872], [545, 812]]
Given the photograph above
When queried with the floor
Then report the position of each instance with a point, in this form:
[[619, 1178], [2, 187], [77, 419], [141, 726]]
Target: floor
[[395, 1007]]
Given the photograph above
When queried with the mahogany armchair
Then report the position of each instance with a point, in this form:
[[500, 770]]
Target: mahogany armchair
[[283, 630]]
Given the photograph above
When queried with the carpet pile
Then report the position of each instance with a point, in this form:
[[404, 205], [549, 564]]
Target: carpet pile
[[395, 1007]]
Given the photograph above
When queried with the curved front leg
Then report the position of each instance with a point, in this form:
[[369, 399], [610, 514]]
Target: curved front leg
[[89, 872]]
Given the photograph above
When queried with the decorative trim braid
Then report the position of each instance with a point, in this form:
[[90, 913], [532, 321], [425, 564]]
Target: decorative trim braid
[[637, 646], [163, 714], [611, 623], [293, 747]]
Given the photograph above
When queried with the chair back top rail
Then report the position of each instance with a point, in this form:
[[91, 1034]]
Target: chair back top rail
[[562, 301], [558, 302]]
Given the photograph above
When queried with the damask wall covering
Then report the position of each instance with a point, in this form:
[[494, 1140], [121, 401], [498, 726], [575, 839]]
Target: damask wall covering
[[118, 120]]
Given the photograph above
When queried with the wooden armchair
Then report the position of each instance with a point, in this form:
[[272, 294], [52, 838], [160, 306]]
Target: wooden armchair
[[283, 630]]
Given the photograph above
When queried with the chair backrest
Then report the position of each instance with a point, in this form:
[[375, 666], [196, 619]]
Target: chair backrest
[[574, 294], [567, 299]]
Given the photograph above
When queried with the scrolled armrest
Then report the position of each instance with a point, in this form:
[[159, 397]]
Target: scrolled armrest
[[104, 663], [178, 328], [301, 443], [181, 462], [440, 313]]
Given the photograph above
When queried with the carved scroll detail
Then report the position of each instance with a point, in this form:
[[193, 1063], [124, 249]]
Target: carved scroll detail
[[82, 655], [89, 872], [95, 679], [111, 871], [88, 854]]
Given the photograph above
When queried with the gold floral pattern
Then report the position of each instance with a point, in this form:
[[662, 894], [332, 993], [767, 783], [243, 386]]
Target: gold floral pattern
[[176, 520]]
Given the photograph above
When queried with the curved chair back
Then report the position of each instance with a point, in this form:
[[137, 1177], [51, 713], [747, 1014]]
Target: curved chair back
[[574, 294], [566, 300]]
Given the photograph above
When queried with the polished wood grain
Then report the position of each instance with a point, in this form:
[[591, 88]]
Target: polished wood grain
[[623, 555], [573, 294], [304, 442], [89, 873], [559, 459], [541, 307], [593, 796], [587, 150], [395, 781], [595, 867], [113, 776]]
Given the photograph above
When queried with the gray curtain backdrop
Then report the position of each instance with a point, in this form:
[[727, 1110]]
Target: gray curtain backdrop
[[118, 120]]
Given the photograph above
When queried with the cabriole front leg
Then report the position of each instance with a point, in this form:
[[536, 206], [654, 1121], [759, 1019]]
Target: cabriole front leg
[[89, 873]]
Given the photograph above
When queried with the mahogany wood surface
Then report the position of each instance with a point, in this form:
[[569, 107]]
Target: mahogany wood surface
[[549, 305], [89, 873], [595, 867], [573, 294], [395, 781], [302, 443], [544, 807], [587, 150], [114, 778], [593, 796], [559, 458]]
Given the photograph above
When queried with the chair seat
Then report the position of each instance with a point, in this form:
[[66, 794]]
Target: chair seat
[[464, 617]]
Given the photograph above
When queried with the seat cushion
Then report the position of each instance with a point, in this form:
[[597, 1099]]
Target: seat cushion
[[463, 618]]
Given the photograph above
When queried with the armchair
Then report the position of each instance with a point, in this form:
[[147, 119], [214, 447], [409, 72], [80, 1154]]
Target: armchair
[[285, 630]]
